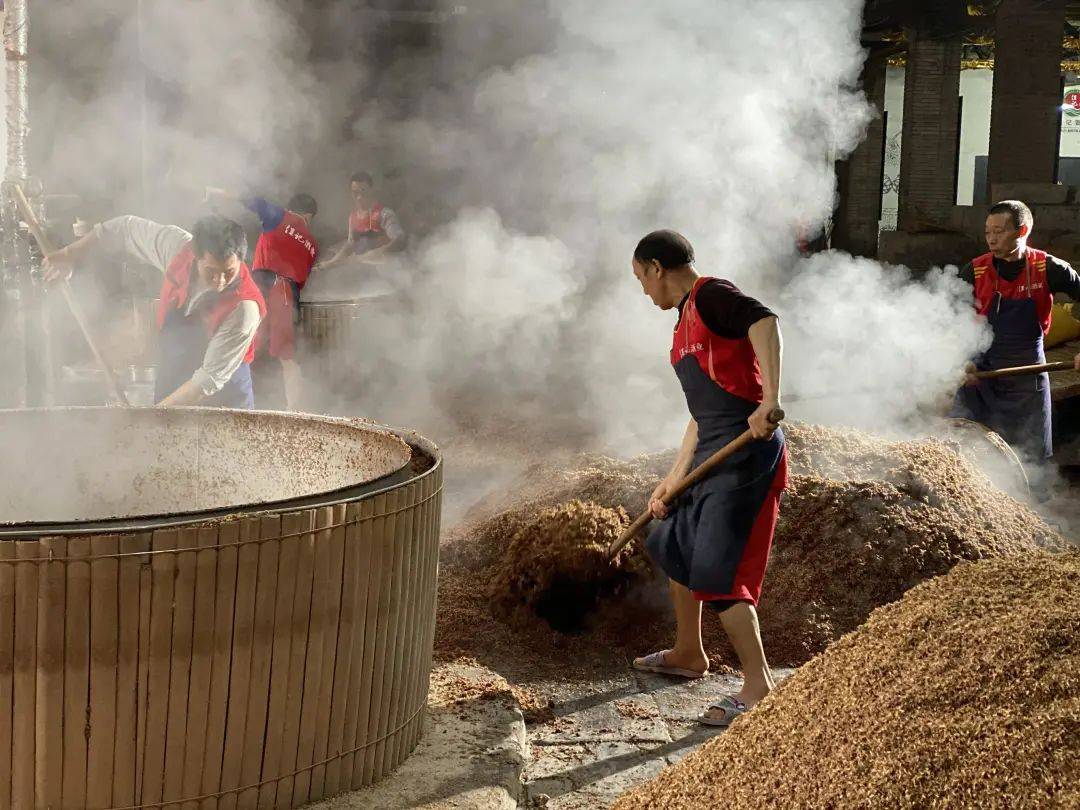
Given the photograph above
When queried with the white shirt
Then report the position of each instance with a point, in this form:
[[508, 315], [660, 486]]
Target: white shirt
[[157, 245]]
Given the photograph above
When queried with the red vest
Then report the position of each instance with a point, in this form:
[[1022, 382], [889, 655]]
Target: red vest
[[371, 222], [731, 364], [987, 282], [174, 295], [289, 250]]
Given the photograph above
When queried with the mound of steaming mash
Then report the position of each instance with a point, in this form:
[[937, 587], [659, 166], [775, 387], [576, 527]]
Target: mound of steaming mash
[[962, 694], [864, 520]]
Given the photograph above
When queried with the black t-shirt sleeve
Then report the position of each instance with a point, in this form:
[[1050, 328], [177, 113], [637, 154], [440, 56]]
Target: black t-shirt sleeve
[[1062, 278], [727, 311], [967, 273]]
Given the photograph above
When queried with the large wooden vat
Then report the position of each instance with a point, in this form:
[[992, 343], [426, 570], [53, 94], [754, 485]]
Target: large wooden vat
[[342, 335], [240, 656]]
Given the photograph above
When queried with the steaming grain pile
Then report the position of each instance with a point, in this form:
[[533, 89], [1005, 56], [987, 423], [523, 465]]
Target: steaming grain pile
[[965, 693], [864, 521], [557, 565], [900, 513]]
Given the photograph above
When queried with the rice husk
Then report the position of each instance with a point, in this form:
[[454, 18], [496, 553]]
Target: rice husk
[[864, 520], [964, 693], [557, 567]]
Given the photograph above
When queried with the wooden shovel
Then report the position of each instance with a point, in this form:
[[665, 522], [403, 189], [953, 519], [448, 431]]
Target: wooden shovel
[[1019, 371], [69, 297], [691, 478]]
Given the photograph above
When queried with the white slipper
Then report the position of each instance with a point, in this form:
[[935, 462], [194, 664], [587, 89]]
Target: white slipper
[[654, 662], [731, 708]]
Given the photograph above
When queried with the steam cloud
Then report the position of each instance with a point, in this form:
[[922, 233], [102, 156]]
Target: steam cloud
[[548, 139]]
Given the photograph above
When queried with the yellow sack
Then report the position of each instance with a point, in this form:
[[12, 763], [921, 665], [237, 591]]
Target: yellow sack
[[1063, 326]]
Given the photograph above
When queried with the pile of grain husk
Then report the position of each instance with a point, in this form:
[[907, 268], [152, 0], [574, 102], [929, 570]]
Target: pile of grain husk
[[965, 693], [557, 567], [864, 520]]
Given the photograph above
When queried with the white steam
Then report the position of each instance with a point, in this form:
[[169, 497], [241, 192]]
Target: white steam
[[544, 141]]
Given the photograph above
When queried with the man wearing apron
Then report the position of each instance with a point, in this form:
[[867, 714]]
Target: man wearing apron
[[283, 259], [209, 309], [374, 230], [1014, 287], [714, 542]]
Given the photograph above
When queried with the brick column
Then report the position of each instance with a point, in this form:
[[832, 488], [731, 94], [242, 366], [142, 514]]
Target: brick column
[[1027, 91], [856, 226], [928, 146]]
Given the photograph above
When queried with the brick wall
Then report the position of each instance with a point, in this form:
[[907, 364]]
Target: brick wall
[[929, 143], [856, 227], [1027, 90]]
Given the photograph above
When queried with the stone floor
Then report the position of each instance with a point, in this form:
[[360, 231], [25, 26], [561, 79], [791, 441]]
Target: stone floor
[[612, 735], [606, 737]]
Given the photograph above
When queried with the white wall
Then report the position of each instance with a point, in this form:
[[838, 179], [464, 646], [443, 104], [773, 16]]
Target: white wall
[[976, 88]]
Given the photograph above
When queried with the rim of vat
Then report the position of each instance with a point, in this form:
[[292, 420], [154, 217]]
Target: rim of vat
[[426, 459]]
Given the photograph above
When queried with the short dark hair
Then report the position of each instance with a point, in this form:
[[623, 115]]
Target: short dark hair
[[219, 236], [670, 248], [361, 177], [303, 204], [1020, 213]]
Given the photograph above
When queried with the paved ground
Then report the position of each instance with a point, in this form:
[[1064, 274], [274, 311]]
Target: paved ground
[[606, 736], [472, 755], [609, 736]]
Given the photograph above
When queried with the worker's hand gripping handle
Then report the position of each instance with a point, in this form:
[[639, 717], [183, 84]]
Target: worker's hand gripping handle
[[691, 478]]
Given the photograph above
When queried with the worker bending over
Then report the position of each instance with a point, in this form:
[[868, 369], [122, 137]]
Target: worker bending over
[[1014, 286], [713, 542], [210, 307], [283, 259], [374, 230]]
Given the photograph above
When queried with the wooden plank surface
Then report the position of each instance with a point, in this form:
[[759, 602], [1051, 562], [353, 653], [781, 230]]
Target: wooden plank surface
[[180, 665], [130, 690], [346, 643], [243, 639], [360, 513], [221, 671], [410, 640], [313, 667], [56, 765], [202, 656], [384, 538], [262, 646], [301, 523], [384, 693], [280, 659], [24, 721], [104, 657], [372, 530], [163, 573], [7, 666], [335, 540]]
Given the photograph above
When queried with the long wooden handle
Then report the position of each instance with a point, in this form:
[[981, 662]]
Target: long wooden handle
[[691, 478], [68, 296], [1018, 371]]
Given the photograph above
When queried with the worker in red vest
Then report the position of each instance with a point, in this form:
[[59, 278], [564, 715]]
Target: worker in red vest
[[284, 256], [210, 306], [374, 230], [713, 542], [1014, 287]]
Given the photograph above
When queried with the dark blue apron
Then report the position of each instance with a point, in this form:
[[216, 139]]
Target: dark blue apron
[[1016, 408], [701, 541], [183, 346]]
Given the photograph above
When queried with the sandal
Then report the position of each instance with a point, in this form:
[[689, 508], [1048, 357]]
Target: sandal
[[731, 708], [654, 662]]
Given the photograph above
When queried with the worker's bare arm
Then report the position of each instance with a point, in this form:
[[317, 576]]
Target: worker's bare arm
[[190, 393], [58, 264], [768, 346], [679, 469]]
